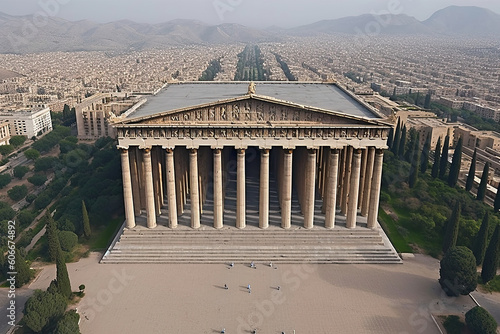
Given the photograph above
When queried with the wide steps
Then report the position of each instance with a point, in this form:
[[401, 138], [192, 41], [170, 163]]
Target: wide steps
[[211, 246]]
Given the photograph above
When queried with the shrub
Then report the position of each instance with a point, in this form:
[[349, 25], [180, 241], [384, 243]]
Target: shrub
[[68, 324], [68, 240], [480, 321], [452, 324], [458, 274]]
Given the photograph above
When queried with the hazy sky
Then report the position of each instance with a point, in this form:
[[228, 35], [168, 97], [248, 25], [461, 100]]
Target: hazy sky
[[257, 13]]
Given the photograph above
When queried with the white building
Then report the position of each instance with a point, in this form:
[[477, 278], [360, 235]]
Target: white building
[[28, 122]]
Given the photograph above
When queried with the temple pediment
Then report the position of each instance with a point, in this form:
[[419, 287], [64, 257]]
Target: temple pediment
[[250, 110]]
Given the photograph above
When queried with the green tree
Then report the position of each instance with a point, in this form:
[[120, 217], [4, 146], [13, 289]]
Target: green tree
[[481, 240], [437, 159], [480, 321], [24, 273], [451, 235], [6, 149], [496, 204], [68, 240], [427, 103], [37, 179], [456, 163], [443, 163], [402, 144], [415, 162], [44, 164], [20, 171], [457, 273], [68, 324], [32, 154], [390, 138], [86, 223], [17, 141], [17, 193], [4, 180], [481, 191], [424, 159], [491, 257], [43, 309], [62, 277], [397, 138], [472, 172], [52, 236]]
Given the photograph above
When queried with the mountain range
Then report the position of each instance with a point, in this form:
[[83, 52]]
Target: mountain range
[[30, 34]]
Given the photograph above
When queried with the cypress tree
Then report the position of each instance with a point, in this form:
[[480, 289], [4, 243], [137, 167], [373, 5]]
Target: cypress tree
[[390, 138], [437, 159], [402, 144], [496, 204], [397, 138], [491, 257], [411, 145], [427, 103], [424, 160], [456, 162], [481, 191], [52, 236], [472, 173], [24, 273], [86, 223], [415, 162], [443, 163], [450, 237], [62, 277], [481, 241]]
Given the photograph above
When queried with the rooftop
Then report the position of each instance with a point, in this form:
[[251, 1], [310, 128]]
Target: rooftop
[[318, 95]]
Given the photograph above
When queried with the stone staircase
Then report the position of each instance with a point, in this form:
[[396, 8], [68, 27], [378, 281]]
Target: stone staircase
[[208, 245]]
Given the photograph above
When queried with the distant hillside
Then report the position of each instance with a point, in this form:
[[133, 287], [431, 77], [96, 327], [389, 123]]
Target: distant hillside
[[61, 35], [453, 20], [397, 24], [470, 21]]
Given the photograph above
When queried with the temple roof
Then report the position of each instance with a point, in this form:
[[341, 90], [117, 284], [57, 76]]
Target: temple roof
[[317, 95]]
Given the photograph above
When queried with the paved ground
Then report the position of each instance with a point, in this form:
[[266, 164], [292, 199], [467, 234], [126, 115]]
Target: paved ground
[[312, 299]]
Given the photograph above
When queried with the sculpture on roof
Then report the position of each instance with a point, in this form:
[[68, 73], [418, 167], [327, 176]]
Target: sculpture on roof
[[251, 88]]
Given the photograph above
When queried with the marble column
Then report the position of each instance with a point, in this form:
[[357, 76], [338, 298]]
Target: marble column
[[193, 188], [127, 190], [150, 196], [368, 181], [347, 180], [310, 189], [218, 192], [136, 190], [352, 207], [264, 189], [375, 189], [240, 190], [331, 188], [286, 207], [172, 200]]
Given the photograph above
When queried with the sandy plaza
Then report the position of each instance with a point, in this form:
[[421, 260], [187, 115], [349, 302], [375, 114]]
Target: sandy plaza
[[169, 298]]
